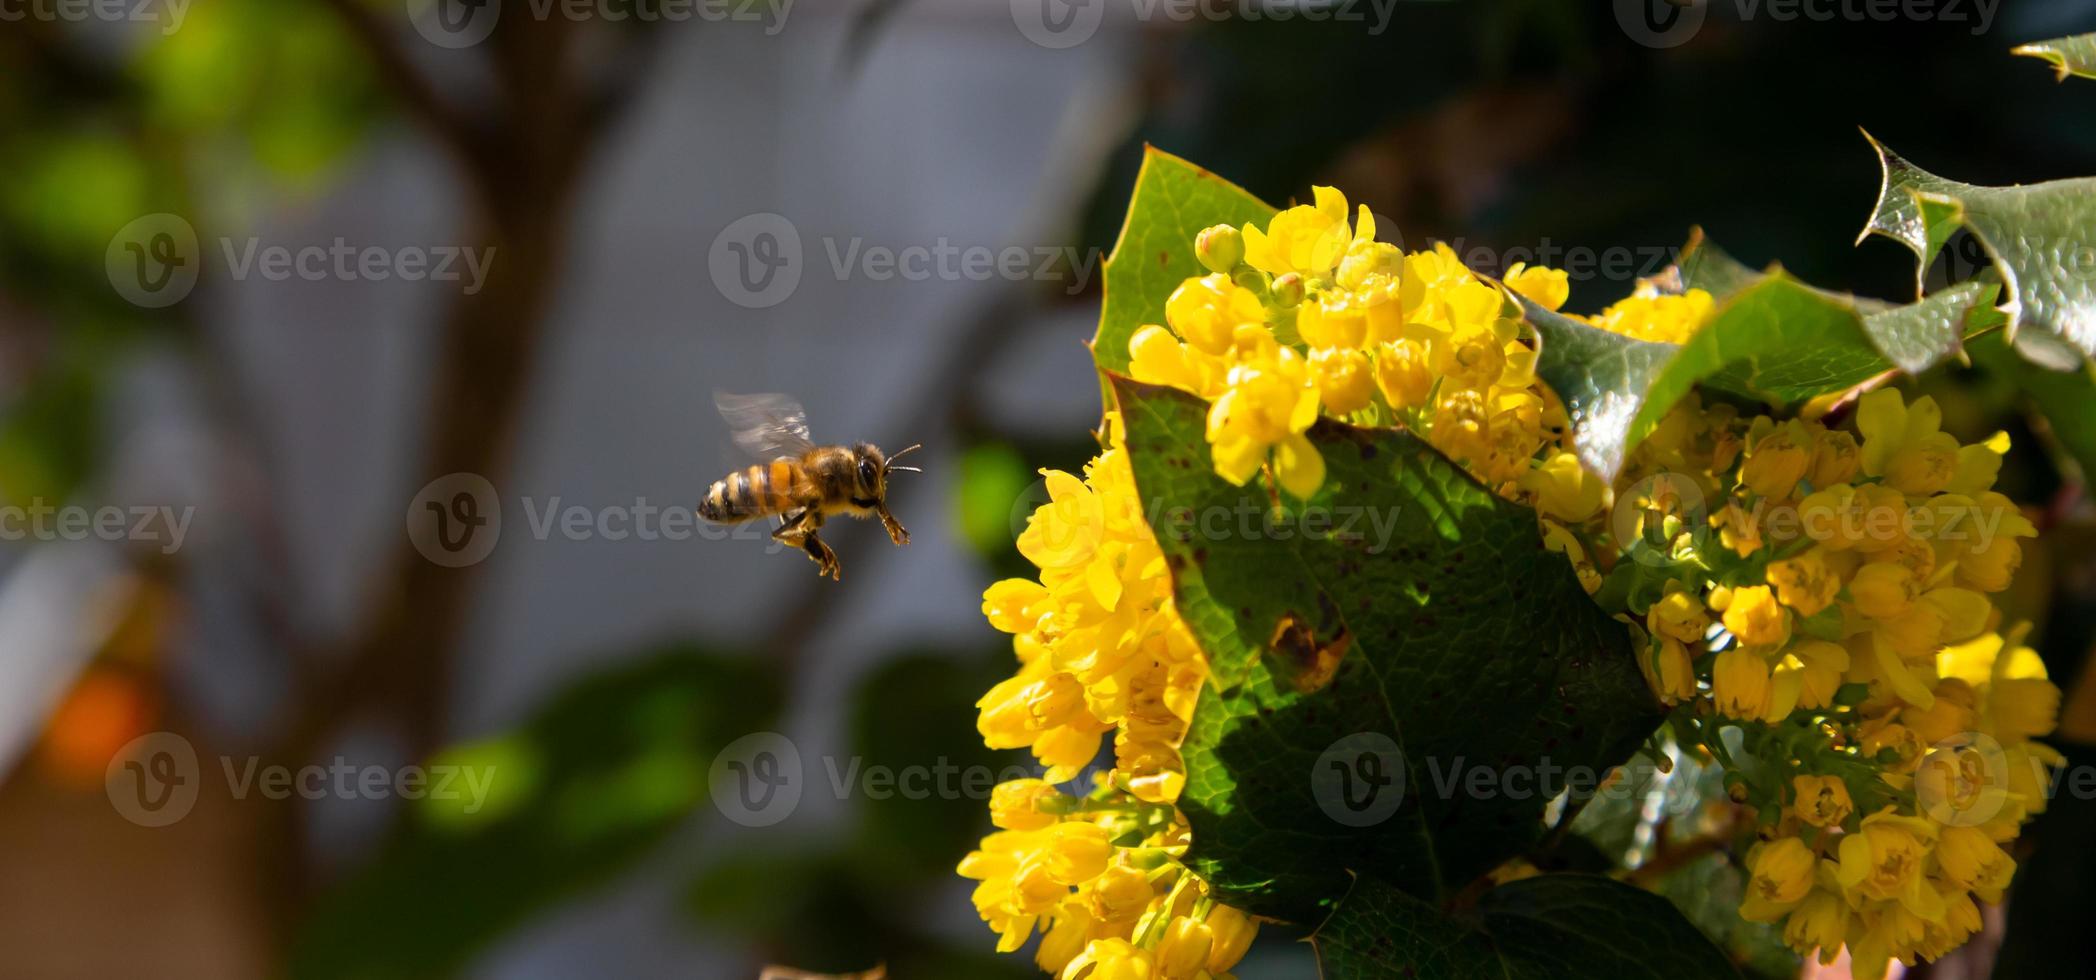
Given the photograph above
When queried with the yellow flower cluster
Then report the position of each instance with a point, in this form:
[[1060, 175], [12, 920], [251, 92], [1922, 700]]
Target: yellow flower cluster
[[1826, 592], [1312, 315], [1101, 649], [1819, 592]]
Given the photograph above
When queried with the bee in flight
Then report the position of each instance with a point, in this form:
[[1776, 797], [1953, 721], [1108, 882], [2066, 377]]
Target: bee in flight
[[803, 483]]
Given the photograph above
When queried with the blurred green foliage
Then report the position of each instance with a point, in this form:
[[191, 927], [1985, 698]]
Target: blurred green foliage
[[582, 790]]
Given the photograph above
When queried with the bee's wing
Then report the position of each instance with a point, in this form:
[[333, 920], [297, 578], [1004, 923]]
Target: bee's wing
[[766, 426]]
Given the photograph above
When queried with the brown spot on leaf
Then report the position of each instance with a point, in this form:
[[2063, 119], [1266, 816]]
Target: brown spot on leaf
[[1308, 661]]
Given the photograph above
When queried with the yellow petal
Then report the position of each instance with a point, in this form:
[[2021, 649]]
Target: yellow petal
[[1298, 466], [1237, 459], [1330, 202], [1364, 226], [1904, 683]]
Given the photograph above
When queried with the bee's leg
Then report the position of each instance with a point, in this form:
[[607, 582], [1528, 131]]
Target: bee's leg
[[797, 529], [896, 532], [823, 556]]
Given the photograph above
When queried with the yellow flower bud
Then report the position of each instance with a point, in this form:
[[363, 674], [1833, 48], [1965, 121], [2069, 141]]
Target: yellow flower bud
[[1205, 312], [1076, 851], [1970, 859], [1016, 805], [1756, 618], [1804, 583], [1219, 248], [2023, 708], [1739, 682], [1679, 615], [1778, 461], [1344, 382], [1471, 358], [1564, 489], [1883, 590], [1820, 921], [1991, 568], [1780, 877], [1822, 801], [1835, 458], [1401, 372], [1063, 942], [1183, 952], [1156, 357], [1824, 663], [1233, 932], [1120, 894]]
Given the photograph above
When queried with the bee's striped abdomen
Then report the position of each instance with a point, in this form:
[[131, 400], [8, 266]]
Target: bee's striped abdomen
[[767, 488]]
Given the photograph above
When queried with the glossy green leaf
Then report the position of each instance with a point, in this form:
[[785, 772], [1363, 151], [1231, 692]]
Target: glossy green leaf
[[1549, 926], [2069, 55], [2041, 237], [1174, 200], [1770, 338], [1411, 605]]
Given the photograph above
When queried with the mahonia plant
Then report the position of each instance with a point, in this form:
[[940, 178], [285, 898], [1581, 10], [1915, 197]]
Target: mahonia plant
[[1800, 569]]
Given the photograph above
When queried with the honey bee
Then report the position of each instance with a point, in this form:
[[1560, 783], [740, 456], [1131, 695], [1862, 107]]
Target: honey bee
[[803, 483]]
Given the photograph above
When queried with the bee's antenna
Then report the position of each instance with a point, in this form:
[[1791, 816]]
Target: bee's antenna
[[900, 453], [906, 469]]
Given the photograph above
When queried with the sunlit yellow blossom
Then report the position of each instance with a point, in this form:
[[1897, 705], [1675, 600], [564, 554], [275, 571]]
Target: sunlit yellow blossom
[[1548, 288], [1822, 801], [1564, 488], [1648, 314], [1307, 239], [1740, 683], [1780, 877], [1756, 618], [1345, 382], [1777, 457], [1206, 312], [1804, 583]]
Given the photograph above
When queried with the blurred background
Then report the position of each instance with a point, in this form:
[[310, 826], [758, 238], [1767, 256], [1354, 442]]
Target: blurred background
[[320, 318]]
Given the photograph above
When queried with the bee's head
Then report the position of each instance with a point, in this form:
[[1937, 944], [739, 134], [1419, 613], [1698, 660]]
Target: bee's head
[[871, 476]]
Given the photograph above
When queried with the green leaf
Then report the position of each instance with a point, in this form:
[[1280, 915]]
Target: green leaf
[[2041, 237], [578, 793], [2066, 399], [1174, 200], [1549, 926], [1460, 640], [1770, 338], [2069, 55]]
